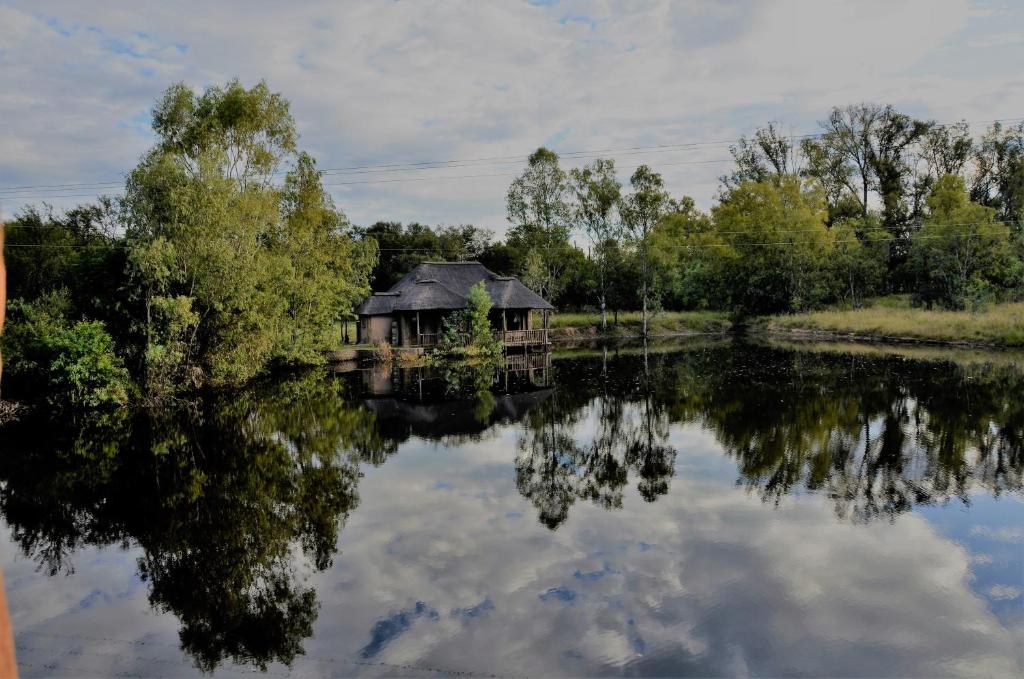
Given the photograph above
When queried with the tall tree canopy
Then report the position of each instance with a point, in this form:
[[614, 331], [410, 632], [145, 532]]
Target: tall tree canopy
[[597, 192], [540, 213], [641, 209], [233, 271]]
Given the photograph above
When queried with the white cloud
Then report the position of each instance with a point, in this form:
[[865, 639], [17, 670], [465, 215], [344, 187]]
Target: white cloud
[[378, 82]]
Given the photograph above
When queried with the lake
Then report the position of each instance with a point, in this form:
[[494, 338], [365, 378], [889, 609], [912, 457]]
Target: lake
[[699, 508]]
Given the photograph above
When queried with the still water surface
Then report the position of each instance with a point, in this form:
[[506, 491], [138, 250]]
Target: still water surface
[[708, 509]]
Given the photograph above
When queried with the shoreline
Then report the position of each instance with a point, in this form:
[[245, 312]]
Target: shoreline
[[794, 333]]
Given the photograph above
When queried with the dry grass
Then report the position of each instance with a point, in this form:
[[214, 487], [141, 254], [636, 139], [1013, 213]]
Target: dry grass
[[630, 322], [1000, 324]]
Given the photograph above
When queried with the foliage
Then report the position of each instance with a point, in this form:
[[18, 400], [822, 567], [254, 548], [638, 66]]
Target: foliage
[[539, 210], [468, 332], [265, 269], [859, 259], [326, 269], [84, 371], [775, 244], [75, 360], [762, 158], [963, 256], [598, 192], [641, 210], [999, 177], [401, 248]]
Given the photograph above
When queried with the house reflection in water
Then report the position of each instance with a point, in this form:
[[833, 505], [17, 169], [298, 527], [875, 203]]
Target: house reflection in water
[[435, 402]]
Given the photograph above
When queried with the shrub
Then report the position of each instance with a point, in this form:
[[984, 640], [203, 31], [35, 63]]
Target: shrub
[[85, 372], [468, 332], [76, 361]]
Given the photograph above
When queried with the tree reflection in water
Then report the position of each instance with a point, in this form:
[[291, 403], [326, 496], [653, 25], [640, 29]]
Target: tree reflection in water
[[223, 499], [561, 459], [231, 501], [877, 434]]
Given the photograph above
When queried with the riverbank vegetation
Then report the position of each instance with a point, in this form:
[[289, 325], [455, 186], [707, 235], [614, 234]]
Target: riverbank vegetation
[[998, 324], [631, 322], [226, 256]]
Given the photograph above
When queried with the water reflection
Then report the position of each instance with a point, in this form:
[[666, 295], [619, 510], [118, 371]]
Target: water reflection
[[878, 435], [219, 497], [236, 503]]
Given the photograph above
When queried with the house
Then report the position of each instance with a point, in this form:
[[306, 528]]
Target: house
[[411, 313]]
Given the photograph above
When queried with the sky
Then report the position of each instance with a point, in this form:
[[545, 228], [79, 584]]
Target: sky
[[396, 83]]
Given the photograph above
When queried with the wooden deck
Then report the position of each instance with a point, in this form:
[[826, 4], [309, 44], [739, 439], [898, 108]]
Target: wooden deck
[[522, 338], [509, 338]]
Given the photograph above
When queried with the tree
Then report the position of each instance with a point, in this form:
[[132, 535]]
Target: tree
[[860, 258], [468, 331], [598, 193], [963, 255], [775, 247], [75, 360], [327, 270], [867, 148], [999, 176], [641, 210], [684, 245], [766, 156], [401, 247], [946, 149], [538, 209], [895, 136], [841, 157], [266, 270]]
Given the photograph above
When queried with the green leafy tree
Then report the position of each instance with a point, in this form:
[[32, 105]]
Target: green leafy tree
[[468, 331], [538, 209], [684, 246], [267, 270], [775, 246], [598, 192], [963, 256], [76, 360], [326, 270], [859, 259], [641, 210]]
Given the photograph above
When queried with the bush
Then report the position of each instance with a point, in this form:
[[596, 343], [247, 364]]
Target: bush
[[468, 332], [85, 372], [76, 361]]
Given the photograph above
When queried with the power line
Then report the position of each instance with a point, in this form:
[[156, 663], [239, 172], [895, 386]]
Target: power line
[[441, 164], [44, 195]]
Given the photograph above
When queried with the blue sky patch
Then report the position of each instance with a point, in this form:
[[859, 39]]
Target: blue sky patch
[[390, 628], [563, 594]]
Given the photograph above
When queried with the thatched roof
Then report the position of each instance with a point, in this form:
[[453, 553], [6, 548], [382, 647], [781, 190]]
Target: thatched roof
[[445, 285]]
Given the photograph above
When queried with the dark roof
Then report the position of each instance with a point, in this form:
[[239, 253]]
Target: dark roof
[[445, 285]]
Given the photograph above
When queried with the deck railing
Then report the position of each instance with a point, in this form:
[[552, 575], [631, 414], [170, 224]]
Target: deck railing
[[510, 338], [520, 337], [428, 339]]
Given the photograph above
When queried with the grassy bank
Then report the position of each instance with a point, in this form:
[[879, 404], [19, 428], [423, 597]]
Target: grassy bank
[[894, 318], [631, 322]]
